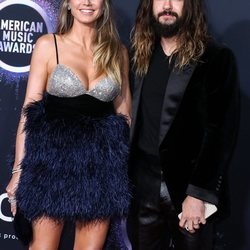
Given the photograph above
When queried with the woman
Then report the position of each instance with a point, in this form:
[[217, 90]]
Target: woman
[[72, 139]]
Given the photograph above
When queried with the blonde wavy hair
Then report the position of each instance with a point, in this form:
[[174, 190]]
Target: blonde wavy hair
[[191, 38], [107, 48]]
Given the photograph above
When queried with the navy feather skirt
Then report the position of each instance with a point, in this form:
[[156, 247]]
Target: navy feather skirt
[[75, 163]]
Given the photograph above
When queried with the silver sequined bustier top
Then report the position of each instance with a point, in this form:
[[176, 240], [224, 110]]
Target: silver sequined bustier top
[[65, 83]]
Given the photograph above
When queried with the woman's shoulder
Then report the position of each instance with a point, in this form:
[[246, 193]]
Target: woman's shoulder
[[44, 48], [45, 42]]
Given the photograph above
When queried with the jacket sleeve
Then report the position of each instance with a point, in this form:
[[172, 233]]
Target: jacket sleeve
[[222, 122]]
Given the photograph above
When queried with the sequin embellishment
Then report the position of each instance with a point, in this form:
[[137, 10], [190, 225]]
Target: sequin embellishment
[[65, 83]]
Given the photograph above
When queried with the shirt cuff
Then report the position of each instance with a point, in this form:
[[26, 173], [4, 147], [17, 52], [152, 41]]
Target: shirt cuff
[[202, 194]]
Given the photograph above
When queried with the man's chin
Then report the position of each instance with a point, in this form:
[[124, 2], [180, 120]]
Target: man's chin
[[168, 22], [166, 28]]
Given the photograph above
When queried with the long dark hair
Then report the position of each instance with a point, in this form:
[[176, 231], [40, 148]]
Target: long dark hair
[[191, 38]]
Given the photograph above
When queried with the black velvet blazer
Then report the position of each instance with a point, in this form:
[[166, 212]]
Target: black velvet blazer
[[199, 124]]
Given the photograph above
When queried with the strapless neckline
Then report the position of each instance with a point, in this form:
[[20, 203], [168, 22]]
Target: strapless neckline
[[86, 90]]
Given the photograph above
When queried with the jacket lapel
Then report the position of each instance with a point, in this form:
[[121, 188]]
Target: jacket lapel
[[135, 104], [177, 83]]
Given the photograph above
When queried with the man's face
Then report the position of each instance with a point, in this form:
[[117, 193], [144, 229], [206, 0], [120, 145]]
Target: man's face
[[167, 16]]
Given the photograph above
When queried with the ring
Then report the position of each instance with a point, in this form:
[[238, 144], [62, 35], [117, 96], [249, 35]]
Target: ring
[[186, 227]]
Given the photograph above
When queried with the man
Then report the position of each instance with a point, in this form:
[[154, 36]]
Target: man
[[184, 126]]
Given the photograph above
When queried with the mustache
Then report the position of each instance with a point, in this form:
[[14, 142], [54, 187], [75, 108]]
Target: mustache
[[168, 12]]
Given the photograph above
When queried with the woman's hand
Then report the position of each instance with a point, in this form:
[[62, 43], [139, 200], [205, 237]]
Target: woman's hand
[[193, 213], [11, 190]]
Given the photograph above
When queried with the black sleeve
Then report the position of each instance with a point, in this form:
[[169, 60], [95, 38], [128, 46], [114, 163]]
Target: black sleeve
[[221, 130]]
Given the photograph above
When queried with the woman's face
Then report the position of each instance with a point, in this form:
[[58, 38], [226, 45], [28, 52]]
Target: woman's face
[[86, 11]]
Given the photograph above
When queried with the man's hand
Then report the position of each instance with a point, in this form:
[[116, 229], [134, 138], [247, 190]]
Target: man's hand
[[193, 213]]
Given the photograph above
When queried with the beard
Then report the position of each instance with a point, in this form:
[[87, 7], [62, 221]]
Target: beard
[[167, 30]]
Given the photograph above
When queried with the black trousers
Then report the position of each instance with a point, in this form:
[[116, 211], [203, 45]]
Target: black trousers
[[153, 223]]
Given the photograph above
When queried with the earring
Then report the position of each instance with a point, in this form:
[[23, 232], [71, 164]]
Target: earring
[[69, 8]]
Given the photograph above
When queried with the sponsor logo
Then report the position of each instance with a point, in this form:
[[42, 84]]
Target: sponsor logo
[[21, 24], [6, 236], [3, 216]]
